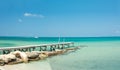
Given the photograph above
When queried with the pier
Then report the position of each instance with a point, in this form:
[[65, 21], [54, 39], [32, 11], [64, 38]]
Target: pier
[[41, 47]]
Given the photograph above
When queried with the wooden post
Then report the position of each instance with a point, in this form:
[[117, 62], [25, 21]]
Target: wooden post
[[62, 46], [40, 48], [3, 51], [6, 51], [33, 48], [45, 48], [51, 48], [29, 49], [14, 50], [68, 45], [58, 46], [54, 47], [24, 49], [19, 49]]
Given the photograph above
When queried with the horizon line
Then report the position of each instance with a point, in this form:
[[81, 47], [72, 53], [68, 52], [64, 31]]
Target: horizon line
[[59, 36]]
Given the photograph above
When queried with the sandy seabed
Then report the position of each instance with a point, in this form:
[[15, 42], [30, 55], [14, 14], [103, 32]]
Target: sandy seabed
[[35, 65]]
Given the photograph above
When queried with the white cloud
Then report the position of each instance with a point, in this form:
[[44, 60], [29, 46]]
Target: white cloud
[[20, 20], [33, 15]]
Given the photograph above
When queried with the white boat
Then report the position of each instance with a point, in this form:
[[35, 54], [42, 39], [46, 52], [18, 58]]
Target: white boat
[[36, 37]]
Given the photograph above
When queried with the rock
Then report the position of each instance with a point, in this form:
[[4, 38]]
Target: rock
[[74, 48], [50, 53], [21, 55], [10, 58], [36, 52], [59, 51], [7, 58], [32, 55], [18, 60], [43, 56], [2, 63]]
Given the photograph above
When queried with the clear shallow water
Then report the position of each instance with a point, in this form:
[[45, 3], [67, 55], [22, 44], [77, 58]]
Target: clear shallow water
[[101, 54], [90, 58]]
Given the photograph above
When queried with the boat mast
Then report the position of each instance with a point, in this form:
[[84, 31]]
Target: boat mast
[[59, 40]]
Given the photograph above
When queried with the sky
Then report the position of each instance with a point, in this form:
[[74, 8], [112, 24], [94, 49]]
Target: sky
[[54, 18]]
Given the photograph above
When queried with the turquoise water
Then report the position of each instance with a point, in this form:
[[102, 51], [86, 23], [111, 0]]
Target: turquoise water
[[102, 53]]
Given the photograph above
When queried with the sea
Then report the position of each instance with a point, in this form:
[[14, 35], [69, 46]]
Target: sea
[[99, 53]]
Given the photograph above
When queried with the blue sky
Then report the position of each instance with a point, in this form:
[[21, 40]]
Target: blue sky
[[60, 18]]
